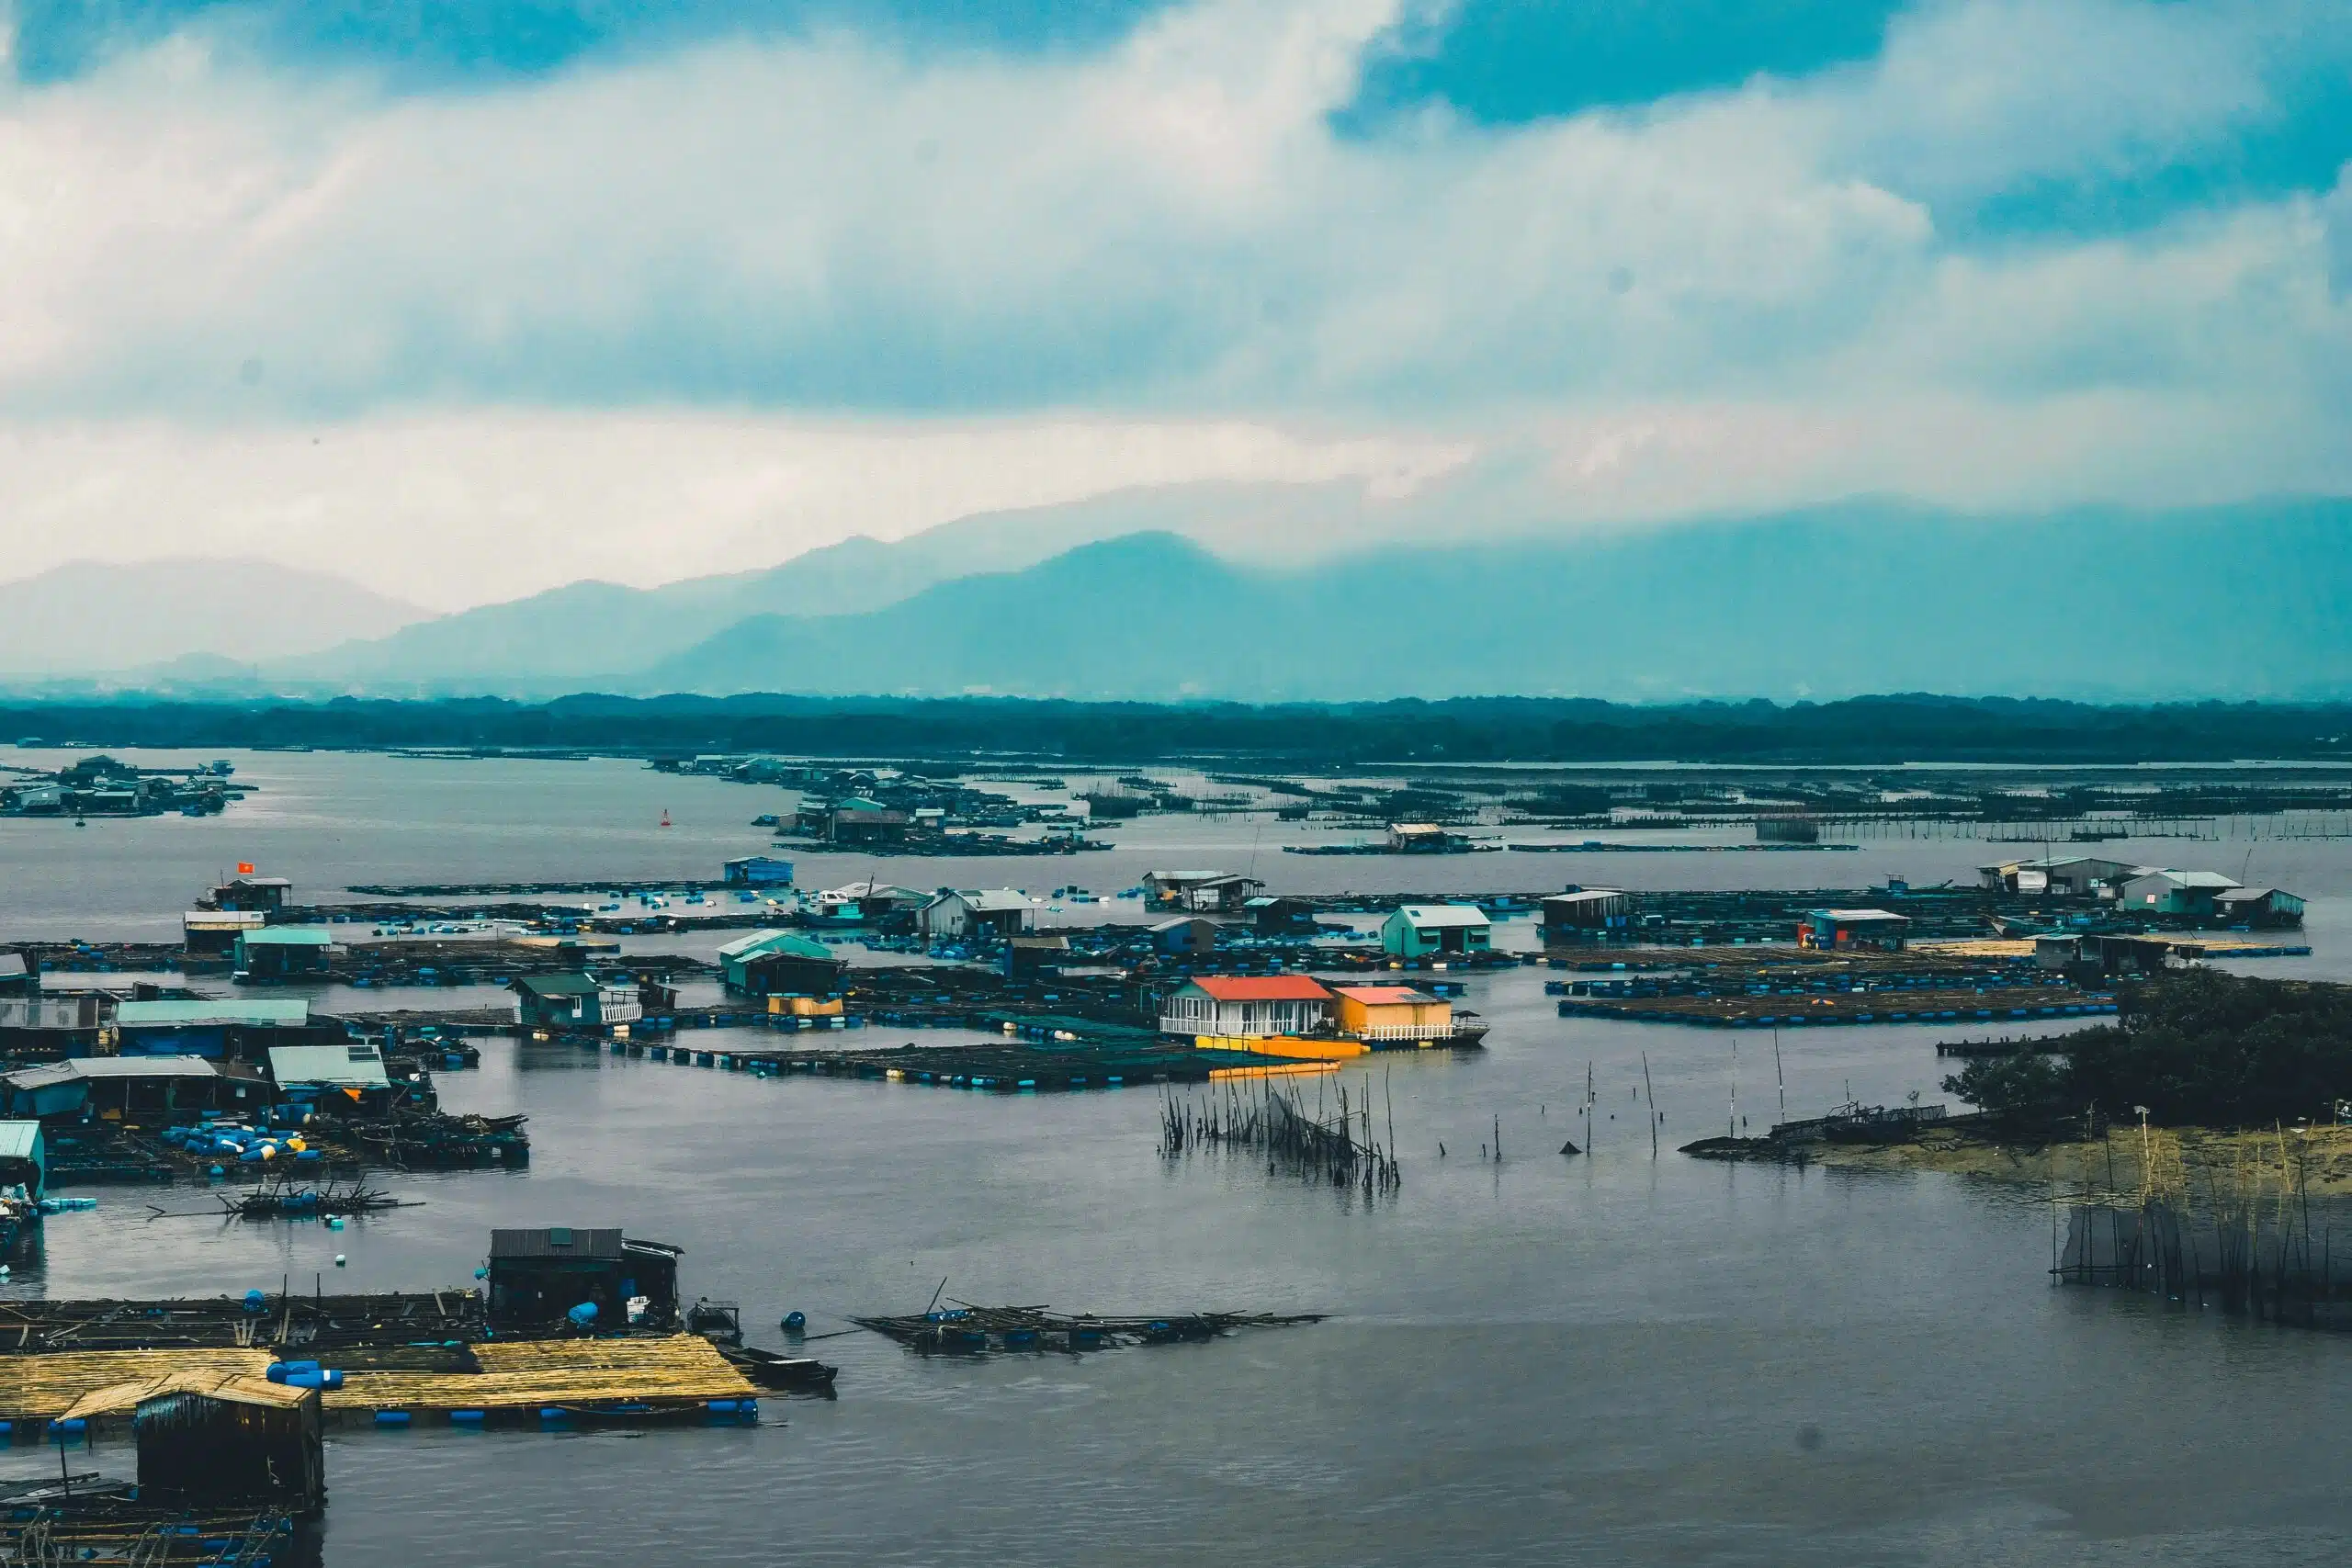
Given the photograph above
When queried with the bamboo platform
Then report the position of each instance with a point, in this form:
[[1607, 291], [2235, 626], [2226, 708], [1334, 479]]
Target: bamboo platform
[[41, 1388], [2210, 944], [678, 1374]]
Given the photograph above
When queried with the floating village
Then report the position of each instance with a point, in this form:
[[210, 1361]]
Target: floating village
[[1246, 1008]]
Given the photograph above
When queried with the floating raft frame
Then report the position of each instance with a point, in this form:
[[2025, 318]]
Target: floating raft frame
[[967, 1330]]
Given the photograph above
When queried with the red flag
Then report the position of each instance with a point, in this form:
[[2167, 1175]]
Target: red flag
[[244, 868]]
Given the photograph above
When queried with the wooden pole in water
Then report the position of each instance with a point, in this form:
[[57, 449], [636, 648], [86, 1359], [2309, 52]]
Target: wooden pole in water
[[1778, 1077], [1733, 1128], [1649, 1099]]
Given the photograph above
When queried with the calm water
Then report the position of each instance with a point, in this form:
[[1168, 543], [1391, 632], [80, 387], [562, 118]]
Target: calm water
[[1606, 1359]]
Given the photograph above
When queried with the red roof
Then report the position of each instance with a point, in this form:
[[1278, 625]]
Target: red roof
[[1266, 989]]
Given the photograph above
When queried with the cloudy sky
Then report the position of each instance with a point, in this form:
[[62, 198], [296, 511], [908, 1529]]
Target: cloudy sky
[[465, 301]]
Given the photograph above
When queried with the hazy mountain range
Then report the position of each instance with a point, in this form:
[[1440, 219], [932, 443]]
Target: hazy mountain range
[[88, 617], [2241, 601]]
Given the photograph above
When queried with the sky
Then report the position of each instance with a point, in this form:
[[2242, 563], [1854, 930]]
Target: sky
[[467, 299]]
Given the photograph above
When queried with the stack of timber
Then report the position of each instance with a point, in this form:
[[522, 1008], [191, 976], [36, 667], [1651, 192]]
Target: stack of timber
[[967, 1330]]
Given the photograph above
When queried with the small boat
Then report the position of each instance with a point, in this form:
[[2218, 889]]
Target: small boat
[[666, 817], [795, 1374]]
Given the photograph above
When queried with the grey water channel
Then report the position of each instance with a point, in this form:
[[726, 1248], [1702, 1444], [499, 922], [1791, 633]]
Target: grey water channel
[[1611, 1357]]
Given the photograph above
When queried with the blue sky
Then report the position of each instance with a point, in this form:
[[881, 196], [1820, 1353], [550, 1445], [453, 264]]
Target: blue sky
[[1566, 265]]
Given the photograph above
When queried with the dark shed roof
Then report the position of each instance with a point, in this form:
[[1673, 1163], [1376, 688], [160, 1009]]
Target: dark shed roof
[[557, 985], [556, 1241]]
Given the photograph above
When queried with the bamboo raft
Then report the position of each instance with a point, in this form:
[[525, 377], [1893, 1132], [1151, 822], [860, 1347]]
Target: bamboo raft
[[312, 1324], [680, 1374], [967, 1330]]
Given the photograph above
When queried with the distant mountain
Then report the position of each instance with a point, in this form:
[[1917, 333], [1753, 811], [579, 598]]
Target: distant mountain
[[2243, 602], [591, 632], [89, 617]]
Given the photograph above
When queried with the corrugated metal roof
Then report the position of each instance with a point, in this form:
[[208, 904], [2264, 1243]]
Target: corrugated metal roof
[[1263, 988], [332, 1066], [223, 920], [773, 942], [595, 1244], [1385, 996], [1445, 915], [86, 1067], [559, 985], [1848, 917], [289, 936], [19, 1140], [993, 901], [260, 1014]]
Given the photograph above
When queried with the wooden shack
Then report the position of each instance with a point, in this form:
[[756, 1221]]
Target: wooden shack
[[281, 953], [209, 1437], [1584, 914], [537, 1277], [1188, 935]]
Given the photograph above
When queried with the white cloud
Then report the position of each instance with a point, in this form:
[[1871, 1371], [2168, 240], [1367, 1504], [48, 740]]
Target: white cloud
[[500, 308]]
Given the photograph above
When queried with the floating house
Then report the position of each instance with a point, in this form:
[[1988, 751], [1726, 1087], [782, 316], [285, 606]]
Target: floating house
[[856, 820], [1844, 928], [2170, 892], [283, 952], [1189, 935], [128, 1085], [2261, 908], [1584, 913], [1436, 930], [778, 963], [24, 1157], [574, 1001], [1201, 892], [1423, 839], [1035, 954], [1246, 1005], [53, 1025], [757, 871], [226, 1029], [1390, 1013], [213, 933], [349, 1076], [258, 895], [1280, 917], [539, 1279], [207, 1438], [868, 902], [2060, 876], [998, 912]]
